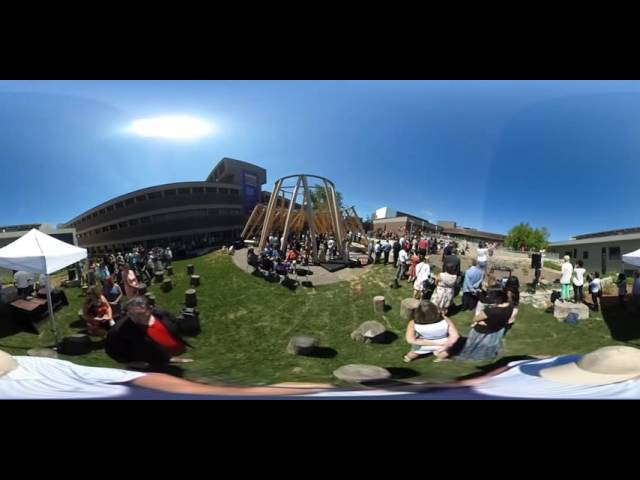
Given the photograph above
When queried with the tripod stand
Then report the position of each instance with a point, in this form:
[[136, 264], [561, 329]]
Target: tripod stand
[[536, 281]]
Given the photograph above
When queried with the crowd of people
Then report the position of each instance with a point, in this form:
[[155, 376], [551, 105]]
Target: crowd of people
[[575, 277], [282, 258], [137, 333], [494, 302]]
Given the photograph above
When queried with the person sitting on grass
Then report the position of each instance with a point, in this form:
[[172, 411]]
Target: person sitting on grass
[[113, 293], [253, 260], [488, 328], [97, 312], [25, 377], [145, 335], [429, 333]]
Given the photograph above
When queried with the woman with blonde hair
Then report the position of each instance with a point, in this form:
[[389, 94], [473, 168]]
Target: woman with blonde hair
[[565, 279]]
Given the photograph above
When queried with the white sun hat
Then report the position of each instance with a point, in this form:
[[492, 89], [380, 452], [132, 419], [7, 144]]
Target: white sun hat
[[600, 367], [7, 363]]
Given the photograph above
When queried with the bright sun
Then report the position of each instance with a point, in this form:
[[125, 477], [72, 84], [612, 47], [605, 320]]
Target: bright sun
[[174, 127]]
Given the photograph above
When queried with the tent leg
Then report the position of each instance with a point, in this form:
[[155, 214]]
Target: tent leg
[[53, 320]]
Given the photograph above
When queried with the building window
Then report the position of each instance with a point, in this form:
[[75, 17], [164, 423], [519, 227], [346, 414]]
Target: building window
[[123, 224], [133, 222], [129, 201], [585, 255], [169, 192], [145, 220], [234, 192], [211, 189], [113, 227], [614, 253], [105, 229], [153, 195], [223, 190], [119, 205], [198, 189], [212, 211], [110, 208], [184, 191]]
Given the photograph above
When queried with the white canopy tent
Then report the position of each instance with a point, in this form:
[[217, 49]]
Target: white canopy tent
[[37, 252], [632, 258]]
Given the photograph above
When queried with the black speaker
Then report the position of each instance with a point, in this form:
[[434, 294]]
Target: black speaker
[[536, 260]]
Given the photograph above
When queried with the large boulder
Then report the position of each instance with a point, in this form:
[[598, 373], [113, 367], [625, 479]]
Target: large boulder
[[361, 373], [562, 309], [368, 332], [302, 345], [408, 307]]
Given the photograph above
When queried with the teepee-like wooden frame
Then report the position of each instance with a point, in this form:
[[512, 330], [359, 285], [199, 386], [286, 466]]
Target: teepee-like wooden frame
[[290, 209]]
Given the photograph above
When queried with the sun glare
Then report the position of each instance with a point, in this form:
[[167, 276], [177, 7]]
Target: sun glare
[[173, 127]]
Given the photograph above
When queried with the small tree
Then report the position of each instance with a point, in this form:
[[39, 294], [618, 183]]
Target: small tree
[[318, 197], [523, 235]]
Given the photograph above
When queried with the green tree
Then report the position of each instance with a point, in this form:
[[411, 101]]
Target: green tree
[[523, 235], [318, 197]]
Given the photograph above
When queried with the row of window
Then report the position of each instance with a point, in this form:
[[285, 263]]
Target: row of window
[[162, 217], [614, 253], [159, 194]]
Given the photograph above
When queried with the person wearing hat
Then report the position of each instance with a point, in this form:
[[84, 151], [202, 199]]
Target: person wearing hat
[[606, 373], [23, 377]]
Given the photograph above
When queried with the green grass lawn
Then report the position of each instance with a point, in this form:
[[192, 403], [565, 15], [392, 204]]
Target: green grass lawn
[[247, 322], [552, 265]]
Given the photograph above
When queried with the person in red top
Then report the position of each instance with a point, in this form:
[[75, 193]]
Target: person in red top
[[292, 255], [423, 245], [145, 335]]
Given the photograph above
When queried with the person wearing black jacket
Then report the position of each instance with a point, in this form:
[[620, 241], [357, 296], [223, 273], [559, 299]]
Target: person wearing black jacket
[[145, 335]]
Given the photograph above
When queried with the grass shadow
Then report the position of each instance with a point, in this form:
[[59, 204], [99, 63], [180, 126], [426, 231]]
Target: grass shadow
[[8, 326], [272, 278], [290, 284], [302, 272], [623, 323], [502, 362], [322, 352], [307, 284], [385, 338], [387, 307], [398, 373]]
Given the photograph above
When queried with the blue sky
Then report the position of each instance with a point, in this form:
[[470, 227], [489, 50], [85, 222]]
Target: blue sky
[[487, 154]]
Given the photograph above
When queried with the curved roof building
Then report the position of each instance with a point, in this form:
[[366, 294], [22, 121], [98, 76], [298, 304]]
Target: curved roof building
[[183, 215]]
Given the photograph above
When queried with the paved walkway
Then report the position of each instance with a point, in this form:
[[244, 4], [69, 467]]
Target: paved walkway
[[319, 276]]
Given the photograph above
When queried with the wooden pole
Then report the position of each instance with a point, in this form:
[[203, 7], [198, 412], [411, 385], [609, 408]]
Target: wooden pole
[[308, 211], [269, 215], [287, 222]]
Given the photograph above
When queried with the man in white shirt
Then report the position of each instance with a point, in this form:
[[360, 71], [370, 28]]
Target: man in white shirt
[[23, 280], [331, 244], [403, 259]]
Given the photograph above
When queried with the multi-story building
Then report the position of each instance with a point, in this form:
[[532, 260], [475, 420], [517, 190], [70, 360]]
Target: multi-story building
[[184, 215]]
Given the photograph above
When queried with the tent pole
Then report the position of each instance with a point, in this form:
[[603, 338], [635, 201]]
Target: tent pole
[[53, 320]]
